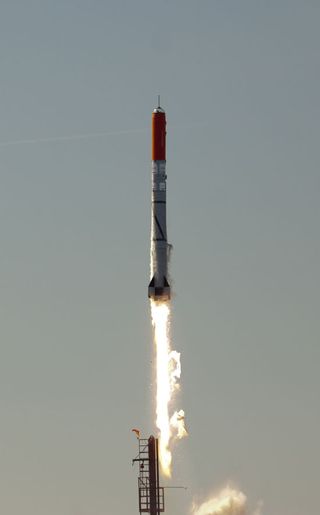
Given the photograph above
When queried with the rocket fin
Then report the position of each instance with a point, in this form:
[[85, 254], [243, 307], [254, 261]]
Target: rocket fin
[[159, 290]]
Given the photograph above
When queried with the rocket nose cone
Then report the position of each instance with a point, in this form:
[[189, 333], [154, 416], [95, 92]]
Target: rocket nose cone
[[159, 110]]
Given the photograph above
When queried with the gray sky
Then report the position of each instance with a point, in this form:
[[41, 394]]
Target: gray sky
[[240, 83]]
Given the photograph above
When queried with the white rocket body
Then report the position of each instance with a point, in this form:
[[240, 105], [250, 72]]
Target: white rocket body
[[159, 288]]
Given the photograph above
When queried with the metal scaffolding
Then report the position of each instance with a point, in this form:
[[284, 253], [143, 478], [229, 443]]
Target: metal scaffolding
[[151, 495]]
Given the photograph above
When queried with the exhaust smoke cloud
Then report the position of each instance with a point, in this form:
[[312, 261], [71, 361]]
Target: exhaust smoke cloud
[[228, 501]]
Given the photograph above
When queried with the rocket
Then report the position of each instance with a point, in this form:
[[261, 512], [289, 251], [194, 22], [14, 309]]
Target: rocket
[[159, 288]]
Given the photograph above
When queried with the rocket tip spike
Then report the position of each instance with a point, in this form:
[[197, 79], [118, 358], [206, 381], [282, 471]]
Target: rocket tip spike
[[159, 101]]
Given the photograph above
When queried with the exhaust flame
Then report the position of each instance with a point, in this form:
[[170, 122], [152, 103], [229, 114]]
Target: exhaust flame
[[167, 376], [228, 502]]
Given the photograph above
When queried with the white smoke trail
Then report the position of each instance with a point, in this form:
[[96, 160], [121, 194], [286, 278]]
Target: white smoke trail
[[228, 501]]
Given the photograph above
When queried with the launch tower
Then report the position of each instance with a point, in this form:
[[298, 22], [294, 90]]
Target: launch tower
[[151, 495]]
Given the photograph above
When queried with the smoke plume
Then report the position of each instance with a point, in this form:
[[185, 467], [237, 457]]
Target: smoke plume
[[228, 502]]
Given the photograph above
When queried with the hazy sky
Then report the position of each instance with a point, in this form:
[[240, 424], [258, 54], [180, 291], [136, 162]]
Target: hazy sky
[[240, 82]]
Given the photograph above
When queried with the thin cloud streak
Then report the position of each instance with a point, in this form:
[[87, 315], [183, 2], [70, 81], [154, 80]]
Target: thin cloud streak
[[73, 137], [91, 135]]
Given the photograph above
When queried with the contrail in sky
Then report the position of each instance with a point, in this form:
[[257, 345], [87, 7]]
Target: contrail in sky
[[90, 135], [73, 137]]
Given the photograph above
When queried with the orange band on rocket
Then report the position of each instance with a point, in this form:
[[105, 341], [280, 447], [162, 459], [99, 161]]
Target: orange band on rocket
[[158, 136]]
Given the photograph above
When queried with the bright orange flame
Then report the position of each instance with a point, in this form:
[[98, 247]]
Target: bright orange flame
[[168, 373]]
